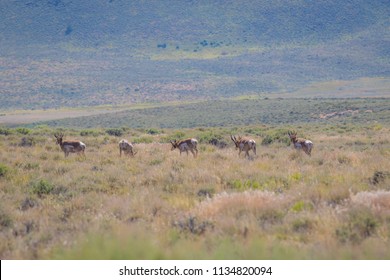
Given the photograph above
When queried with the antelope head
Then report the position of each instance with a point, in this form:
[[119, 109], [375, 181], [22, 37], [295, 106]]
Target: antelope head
[[59, 137], [234, 139], [292, 135], [174, 144]]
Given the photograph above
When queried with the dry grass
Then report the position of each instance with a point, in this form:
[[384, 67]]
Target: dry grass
[[279, 204]]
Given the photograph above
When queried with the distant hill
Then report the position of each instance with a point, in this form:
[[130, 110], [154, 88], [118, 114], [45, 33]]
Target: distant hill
[[57, 53]]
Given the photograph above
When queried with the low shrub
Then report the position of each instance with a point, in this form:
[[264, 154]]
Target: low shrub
[[3, 170], [23, 130], [27, 142], [115, 132], [5, 219], [5, 131], [42, 187], [360, 224]]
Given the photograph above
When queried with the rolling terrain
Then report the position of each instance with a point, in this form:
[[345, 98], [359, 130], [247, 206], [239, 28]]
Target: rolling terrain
[[156, 71], [59, 53]]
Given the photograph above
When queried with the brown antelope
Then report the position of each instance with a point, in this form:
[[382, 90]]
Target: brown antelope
[[244, 144], [186, 145], [70, 146], [300, 143], [126, 147]]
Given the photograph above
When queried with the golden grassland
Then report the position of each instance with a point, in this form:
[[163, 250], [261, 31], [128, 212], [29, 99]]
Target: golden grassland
[[278, 204]]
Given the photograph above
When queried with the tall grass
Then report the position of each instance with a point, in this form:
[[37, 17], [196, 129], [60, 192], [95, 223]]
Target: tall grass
[[279, 204]]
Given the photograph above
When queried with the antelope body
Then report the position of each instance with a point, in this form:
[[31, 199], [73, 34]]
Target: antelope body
[[126, 147], [300, 143], [70, 146], [244, 144], [186, 145]]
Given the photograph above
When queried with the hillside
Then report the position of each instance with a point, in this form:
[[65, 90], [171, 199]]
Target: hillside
[[62, 53]]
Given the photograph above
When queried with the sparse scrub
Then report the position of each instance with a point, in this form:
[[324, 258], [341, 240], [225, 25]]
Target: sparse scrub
[[359, 225], [219, 205]]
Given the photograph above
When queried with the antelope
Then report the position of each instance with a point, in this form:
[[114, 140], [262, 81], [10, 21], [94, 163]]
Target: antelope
[[126, 147], [70, 146], [244, 144], [300, 143], [186, 145]]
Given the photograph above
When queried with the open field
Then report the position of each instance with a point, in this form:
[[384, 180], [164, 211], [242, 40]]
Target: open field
[[279, 204], [13, 118], [150, 72]]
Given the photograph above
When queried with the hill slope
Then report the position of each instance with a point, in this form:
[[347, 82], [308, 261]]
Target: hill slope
[[58, 53]]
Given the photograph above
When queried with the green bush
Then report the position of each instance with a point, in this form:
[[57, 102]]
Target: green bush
[[3, 170], [143, 139], [153, 131], [89, 132], [5, 131], [278, 136], [115, 131], [360, 224], [42, 187], [23, 130]]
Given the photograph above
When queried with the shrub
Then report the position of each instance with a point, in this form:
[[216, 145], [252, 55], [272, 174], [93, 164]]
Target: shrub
[[5, 219], [23, 130], [379, 177], [208, 136], [360, 225], [206, 192], [5, 131], [42, 187], [27, 204], [177, 135], [27, 142], [279, 136], [89, 132], [302, 225], [301, 206], [243, 185], [115, 131], [193, 226], [3, 170], [143, 139], [153, 131], [343, 159]]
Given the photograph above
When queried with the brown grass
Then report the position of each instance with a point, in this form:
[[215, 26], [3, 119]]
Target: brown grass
[[280, 204]]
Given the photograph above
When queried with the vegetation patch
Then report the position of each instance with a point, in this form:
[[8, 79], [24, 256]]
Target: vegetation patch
[[219, 204], [358, 225], [41, 187], [3, 170]]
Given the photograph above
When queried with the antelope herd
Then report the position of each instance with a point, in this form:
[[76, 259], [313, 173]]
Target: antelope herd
[[243, 144]]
